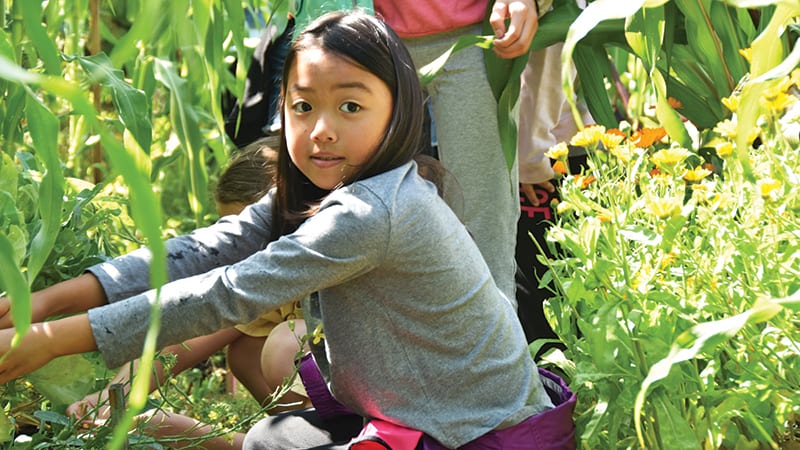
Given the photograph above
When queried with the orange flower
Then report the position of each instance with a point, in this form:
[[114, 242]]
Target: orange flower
[[584, 180], [560, 168], [616, 131], [648, 136], [674, 103]]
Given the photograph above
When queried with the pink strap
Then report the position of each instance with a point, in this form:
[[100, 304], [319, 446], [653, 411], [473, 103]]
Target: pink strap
[[378, 434]]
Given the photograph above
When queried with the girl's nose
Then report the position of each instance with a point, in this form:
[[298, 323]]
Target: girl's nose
[[323, 130]]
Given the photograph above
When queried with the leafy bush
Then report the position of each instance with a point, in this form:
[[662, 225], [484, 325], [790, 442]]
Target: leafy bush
[[677, 281]]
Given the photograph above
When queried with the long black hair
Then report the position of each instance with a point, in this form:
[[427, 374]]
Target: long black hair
[[372, 45]]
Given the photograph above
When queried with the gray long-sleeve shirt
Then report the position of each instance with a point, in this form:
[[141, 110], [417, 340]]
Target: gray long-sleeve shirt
[[416, 331]]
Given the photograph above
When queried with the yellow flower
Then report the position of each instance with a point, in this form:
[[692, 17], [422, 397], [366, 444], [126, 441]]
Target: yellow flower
[[731, 102], [777, 101], [663, 208], [604, 217], [726, 128], [563, 207], [589, 136], [558, 151], [669, 157], [720, 201], [768, 188], [611, 140], [747, 53], [213, 415], [318, 335], [693, 176], [623, 152], [724, 149]]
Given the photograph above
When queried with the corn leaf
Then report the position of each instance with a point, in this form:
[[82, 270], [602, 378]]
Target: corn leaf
[[429, 71], [43, 128], [131, 103], [150, 18], [591, 63], [184, 121], [32, 19], [16, 287]]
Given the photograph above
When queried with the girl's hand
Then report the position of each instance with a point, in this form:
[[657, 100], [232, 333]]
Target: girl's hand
[[87, 411], [33, 351], [530, 190], [42, 343], [523, 24]]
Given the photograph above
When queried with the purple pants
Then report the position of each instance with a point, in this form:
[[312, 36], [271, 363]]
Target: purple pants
[[551, 430]]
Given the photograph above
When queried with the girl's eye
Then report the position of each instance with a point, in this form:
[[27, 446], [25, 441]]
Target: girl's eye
[[301, 107], [350, 107]]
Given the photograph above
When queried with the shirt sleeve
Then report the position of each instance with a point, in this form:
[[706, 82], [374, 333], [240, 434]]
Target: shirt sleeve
[[345, 239], [229, 240]]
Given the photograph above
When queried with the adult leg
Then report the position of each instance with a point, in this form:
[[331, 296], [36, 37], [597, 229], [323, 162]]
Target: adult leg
[[465, 118]]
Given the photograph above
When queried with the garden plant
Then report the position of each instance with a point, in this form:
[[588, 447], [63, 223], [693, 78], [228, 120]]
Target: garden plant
[[673, 256]]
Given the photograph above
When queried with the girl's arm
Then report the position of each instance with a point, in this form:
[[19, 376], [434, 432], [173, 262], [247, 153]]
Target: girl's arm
[[67, 297], [42, 343]]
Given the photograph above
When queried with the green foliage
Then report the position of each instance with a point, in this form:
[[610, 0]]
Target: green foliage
[[689, 49], [676, 281]]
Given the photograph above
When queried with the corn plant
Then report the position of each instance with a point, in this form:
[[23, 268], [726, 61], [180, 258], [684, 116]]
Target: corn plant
[[116, 96]]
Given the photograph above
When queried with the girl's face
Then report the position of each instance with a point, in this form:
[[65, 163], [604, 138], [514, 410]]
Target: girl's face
[[336, 114]]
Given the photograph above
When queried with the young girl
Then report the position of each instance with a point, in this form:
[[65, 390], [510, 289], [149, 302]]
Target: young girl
[[417, 334]]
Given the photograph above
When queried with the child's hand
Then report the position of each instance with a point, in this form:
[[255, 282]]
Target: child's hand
[[42, 343], [33, 351], [87, 411], [523, 22]]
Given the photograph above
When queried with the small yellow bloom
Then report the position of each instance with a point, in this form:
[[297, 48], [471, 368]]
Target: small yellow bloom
[[726, 129], [732, 102], [588, 137], [720, 201], [724, 149], [604, 217], [611, 140], [623, 152], [318, 335], [778, 101], [693, 176], [747, 53], [669, 157], [558, 151], [663, 208], [563, 207], [213, 415], [769, 188]]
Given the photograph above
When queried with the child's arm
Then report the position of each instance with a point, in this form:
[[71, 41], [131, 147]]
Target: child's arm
[[68, 297], [42, 343]]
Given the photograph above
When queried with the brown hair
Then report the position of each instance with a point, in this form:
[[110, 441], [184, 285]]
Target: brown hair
[[372, 45], [250, 173]]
